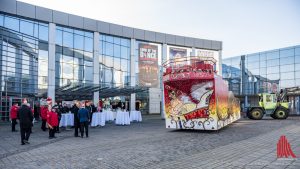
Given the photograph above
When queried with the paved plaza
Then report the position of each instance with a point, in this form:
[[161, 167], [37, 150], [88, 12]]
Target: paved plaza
[[244, 144]]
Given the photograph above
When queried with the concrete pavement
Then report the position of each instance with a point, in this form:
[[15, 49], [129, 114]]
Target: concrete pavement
[[244, 144]]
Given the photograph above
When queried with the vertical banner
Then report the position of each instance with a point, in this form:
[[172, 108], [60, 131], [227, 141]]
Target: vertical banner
[[148, 65]]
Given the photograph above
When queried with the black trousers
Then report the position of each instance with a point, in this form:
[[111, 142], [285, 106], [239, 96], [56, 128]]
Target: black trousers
[[76, 127], [84, 126], [13, 124], [43, 127], [91, 117], [25, 134], [52, 132], [36, 115], [57, 127]]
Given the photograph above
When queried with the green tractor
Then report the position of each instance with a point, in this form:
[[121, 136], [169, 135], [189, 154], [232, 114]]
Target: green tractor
[[270, 104]]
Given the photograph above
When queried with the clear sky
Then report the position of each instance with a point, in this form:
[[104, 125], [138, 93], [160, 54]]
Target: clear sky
[[244, 26]]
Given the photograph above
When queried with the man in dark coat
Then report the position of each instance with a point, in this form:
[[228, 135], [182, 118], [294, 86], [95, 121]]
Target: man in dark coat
[[37, 111], [89, 108], [25, 118], [74, 110]]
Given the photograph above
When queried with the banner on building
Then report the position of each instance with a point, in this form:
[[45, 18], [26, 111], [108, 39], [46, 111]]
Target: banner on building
[[177, 53], [148, 65]]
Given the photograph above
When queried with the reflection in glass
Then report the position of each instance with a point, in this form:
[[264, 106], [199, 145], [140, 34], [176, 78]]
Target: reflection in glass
[[43, 33], [58, 37], [117, 77], [287, 75], [272, 55], [68, 39], [117, 50], [88, 74], [108, 75], [78, 42], [286, 53], [117, 62], [273, 62], [287, 68], [11, 23], [26, 27], [88, 44], [274, 69], [287, 83], [287, 60]]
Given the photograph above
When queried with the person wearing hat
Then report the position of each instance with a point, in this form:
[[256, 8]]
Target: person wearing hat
[[25, 118], [13, 116], [83, 116], [52, 122]]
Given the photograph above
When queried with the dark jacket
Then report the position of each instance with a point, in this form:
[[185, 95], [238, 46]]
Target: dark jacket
[[94, 109], [89, 109], [66, 109], [25, 116], [74, 110], [83, 115]]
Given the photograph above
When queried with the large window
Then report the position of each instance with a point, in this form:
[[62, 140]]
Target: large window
[[24, 49], [269, 71], [74, 56], [114, 61]]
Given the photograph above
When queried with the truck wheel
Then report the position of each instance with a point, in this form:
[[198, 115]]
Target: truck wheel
[[281, 113], [256, 114]]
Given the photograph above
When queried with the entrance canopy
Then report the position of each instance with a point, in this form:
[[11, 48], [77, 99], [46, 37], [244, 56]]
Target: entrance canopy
[[75, 91]]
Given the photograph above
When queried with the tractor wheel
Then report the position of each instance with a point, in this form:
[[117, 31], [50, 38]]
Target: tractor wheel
[[256, 114], [273, 116], [281, 113], [249, 115]]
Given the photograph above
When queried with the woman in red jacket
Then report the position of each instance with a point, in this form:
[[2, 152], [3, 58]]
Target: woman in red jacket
[[44, 112], [13, 116], [52, 121]]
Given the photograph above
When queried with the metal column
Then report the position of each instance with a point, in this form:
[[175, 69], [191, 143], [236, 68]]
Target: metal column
[[96, 72], [51, 62], [132, 73]]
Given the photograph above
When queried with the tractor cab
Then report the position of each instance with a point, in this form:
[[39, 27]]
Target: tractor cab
[[267, 101]]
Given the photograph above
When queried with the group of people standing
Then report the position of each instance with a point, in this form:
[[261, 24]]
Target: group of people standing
[[51, 116], [83, 113]]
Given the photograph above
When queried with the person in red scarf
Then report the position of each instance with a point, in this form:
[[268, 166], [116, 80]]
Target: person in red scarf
[[13, 116], [52, 121]]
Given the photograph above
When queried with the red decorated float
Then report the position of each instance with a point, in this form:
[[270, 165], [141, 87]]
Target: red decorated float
[[195, 96]]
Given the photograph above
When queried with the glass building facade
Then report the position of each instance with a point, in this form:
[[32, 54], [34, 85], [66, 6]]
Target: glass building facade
[[114, 61], [43, 52], [73, 56], [264, 72]]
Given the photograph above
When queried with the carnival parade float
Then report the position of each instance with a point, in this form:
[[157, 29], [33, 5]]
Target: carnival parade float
[[195, 96]]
